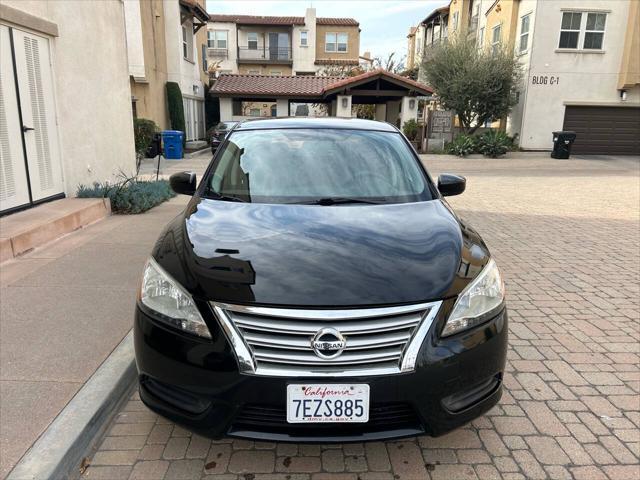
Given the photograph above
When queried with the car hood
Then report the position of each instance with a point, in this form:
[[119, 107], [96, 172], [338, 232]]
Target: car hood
[[306, 255]]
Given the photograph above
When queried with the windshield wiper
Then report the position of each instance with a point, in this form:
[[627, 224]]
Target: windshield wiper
[[227, 198], [328, 201]]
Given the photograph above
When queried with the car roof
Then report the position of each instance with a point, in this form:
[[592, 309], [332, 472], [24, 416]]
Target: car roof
[[318, 122]]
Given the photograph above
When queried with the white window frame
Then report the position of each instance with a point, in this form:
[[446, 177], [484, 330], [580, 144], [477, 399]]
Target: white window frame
[[336, 42], [304, 35], [480, 37], [524, 34], [249, 40], [275, 72], [454, 24], [580, 48], [185, 42], [252, 110], [254, 72], [216, 40], [563, 30], [602, 32], [494, 44]]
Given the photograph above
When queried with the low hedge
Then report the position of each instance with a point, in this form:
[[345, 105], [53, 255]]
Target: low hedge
[[492, 143], [130, 196]]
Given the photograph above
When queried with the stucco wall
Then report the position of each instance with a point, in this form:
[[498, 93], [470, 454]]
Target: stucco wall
[[353, 42], [228, 63], [151, 97], [92, 92], [556, 78]]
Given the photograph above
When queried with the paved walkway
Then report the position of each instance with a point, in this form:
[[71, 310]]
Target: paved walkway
[[63, 308], [566, 235]]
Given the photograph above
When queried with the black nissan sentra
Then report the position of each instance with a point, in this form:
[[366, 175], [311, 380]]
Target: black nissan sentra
[[318, 287]]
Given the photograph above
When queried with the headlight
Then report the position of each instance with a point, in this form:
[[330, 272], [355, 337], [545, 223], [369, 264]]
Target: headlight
[[483, 296], [165, 296]]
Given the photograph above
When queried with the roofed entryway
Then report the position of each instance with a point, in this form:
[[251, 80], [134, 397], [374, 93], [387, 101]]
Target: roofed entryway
[[393, 95]]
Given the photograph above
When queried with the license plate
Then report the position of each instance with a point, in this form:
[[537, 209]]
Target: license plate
[[335, 403]]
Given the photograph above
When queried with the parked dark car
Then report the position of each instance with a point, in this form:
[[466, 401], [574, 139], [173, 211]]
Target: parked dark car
[[219, 133], [318, 287]]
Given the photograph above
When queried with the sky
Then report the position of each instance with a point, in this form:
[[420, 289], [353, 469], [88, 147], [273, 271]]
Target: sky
[[384, 24]]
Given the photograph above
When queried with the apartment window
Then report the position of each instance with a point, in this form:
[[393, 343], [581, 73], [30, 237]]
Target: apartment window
[[217, 39], [524, 33], [496, 37], [594, 31], [304, 38], [253, 72], [275, 72], [454, 22], [254, 112], [252, 40], [570, 29], [185, 42], [336, 42], [480, 37]]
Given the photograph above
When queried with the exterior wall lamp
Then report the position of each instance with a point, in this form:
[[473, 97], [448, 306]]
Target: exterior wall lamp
[[412, 104], [345, 102]]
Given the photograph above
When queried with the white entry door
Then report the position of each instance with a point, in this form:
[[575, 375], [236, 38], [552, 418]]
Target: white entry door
[[31, 131], [14, 190]]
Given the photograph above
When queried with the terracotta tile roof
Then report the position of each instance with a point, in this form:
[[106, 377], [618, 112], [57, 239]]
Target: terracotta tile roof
[[303, 85], [271, 20], [337, 61]]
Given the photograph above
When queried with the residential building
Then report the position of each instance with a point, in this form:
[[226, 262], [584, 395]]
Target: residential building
[[271, 45], [65, 109], [430, 33], [581, 70], [166, 42]]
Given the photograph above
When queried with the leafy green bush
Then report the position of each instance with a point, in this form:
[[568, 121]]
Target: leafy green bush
[[175, 106], [130, 196], [494, 143], [410, 129], [143, 132], [461, 146]]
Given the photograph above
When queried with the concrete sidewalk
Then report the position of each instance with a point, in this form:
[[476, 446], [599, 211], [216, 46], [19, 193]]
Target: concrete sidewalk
[[63, 308]]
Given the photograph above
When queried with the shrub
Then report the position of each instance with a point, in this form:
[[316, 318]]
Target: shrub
[[410, 129], [494, 143], [461, 146], [130, 196], [175, 106], [143, 132]]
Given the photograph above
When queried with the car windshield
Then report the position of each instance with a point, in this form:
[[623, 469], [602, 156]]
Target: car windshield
[[323, 166]]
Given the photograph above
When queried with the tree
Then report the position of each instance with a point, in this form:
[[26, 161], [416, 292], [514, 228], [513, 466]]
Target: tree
[[477, 84], [175, 106]]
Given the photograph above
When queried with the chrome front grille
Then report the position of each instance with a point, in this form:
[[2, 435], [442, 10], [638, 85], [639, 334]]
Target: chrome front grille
[[280, 341]]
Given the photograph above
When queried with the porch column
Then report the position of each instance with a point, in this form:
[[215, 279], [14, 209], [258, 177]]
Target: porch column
[[409, 110], [381, 112], [282, 107], [226, 109], [343, 106], [393, 111]]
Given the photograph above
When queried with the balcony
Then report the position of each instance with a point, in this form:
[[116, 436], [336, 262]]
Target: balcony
[[265, 54], [217, 52]]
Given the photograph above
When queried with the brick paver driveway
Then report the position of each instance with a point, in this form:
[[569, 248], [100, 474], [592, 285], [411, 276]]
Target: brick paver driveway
[[566, 235]]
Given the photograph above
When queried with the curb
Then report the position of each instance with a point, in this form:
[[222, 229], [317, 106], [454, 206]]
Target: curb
[[59, 451], [196, 152]]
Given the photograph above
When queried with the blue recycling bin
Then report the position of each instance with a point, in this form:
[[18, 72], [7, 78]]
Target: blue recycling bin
[[172, 141]]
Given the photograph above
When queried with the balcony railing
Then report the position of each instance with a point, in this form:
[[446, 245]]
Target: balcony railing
[[264, 54], [217, 52]]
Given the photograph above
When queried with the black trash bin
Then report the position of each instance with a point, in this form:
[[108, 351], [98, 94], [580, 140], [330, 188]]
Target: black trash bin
[[562, 142]]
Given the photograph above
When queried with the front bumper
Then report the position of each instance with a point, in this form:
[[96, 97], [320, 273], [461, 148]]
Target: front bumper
[[195, 382]]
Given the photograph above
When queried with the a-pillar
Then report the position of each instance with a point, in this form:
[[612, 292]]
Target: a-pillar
[[409, 110], [381, 112], [343, 106], [282, 107]]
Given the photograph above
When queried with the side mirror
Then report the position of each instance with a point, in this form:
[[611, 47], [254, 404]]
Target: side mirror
[[183, 182], [449, 185]]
